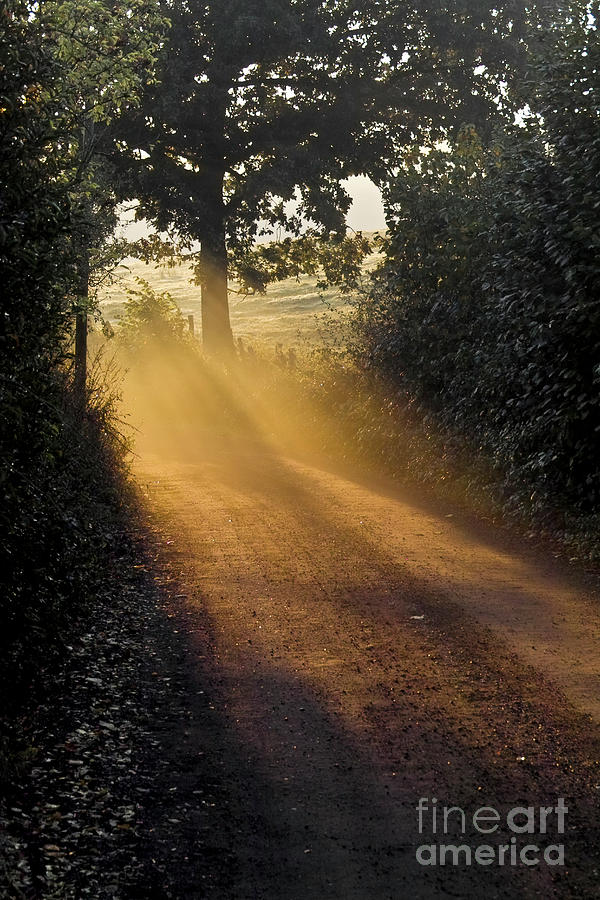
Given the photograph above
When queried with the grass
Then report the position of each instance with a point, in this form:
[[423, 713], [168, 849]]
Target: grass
[[294, 312], [291, 312]]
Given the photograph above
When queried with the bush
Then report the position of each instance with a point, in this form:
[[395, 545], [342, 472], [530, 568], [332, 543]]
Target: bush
[[151, 318], [486, 306]]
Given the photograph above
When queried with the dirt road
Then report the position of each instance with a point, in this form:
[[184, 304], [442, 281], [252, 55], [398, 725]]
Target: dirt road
[[360, 651], [348, 652]]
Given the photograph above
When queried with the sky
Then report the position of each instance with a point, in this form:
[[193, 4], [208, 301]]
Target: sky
[[366, 212]]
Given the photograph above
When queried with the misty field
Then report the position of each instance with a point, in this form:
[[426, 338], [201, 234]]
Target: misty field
[[292, 312]]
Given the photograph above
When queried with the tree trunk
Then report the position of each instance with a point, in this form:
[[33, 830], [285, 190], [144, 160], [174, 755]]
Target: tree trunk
[[81, 330], [217, 338]]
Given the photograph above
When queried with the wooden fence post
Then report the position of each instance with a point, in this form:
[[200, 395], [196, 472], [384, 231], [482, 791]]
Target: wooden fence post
[[81, 333]]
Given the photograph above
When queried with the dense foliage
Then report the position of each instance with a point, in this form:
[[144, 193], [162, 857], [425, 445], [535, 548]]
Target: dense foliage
[[60, 469], [487, 305]]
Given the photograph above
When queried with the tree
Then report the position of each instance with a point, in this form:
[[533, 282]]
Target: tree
[[104, 52], [262, 102], [35, 257]]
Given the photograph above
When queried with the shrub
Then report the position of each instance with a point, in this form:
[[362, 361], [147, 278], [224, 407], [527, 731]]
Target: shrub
[[486, 306]]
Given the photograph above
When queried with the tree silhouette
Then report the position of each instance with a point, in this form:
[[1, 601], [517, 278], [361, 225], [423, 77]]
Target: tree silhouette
[[266, 101]]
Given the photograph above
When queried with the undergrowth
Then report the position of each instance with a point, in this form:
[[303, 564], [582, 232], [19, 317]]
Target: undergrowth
[[64, 521]]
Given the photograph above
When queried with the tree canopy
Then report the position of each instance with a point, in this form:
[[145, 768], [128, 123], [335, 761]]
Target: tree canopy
[[261, 103]]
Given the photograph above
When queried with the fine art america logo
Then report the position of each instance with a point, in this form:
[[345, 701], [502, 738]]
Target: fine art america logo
[[511, 841]]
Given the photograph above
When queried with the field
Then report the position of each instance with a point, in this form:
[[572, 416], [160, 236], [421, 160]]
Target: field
[[292, 312]]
